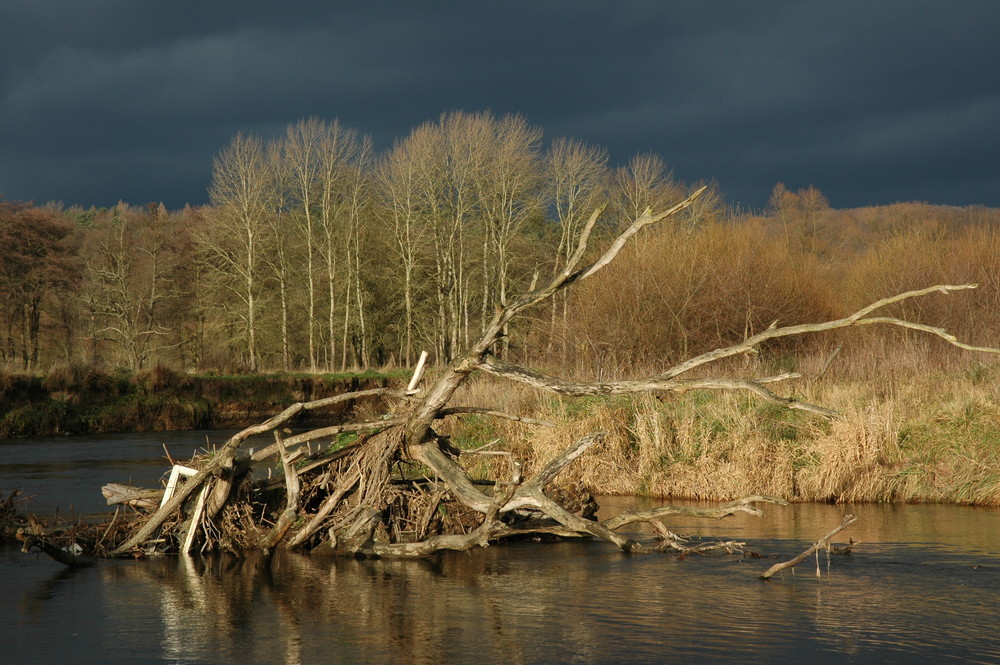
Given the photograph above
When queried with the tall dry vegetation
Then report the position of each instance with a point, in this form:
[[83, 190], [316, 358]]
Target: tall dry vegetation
[[926, 436], [687, 291]]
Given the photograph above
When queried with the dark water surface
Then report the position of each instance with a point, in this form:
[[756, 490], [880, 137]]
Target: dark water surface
[[923, 588]]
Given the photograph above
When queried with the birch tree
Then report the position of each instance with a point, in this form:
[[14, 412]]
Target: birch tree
[[509, 188], [234, 237], [400, 196], [282, 259], [645, 183], [300, 157], [338, 155]]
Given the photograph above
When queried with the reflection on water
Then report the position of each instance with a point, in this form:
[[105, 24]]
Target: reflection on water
[[924, 587], [905, 596]]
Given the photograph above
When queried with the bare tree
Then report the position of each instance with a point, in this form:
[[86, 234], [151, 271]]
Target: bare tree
[[399, 191], [234, 236], [339, 149], [282, 258], [509, 193], [439, 204], [645, 184], [358, 212], [301, 160], [467, 184], [129, 280], [577, 177]]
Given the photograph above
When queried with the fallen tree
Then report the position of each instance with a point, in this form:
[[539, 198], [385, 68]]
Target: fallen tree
[[400, 489]]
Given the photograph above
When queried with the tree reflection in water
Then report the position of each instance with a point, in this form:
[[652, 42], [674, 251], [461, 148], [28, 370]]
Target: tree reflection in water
[[905, 596]]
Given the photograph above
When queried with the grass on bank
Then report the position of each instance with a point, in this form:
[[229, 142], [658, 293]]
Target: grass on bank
[[918, 424], [914, 428]]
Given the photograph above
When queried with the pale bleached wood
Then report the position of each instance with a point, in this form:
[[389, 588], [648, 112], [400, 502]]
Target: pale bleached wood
[[821, 543]]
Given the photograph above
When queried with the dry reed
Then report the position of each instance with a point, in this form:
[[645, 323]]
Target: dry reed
[[915, 426]]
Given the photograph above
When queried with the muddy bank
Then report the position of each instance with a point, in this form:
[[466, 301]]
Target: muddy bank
[[89, 401]]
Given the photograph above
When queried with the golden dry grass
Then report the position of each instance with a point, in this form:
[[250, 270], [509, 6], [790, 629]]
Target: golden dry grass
[[914, 427]]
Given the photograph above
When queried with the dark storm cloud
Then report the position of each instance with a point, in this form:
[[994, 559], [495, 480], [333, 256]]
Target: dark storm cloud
[[871, 102]]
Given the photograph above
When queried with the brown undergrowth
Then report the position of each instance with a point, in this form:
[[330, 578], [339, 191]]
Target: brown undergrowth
[[917, 424]]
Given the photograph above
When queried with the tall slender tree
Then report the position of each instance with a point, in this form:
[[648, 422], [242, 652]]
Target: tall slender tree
[[301, 160], [235, 238]]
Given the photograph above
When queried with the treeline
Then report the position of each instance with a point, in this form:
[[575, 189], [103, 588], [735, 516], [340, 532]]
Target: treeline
[[316, 253]]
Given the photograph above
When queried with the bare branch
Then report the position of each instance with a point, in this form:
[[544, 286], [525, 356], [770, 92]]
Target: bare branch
[[856, 319], [940, 288], [292, 492], [581, 246], [580, 389], [821, 543], [444, 387], [718, 512], [371, 426], [455, 410], [223, 458], [645, 219], [489, 529]]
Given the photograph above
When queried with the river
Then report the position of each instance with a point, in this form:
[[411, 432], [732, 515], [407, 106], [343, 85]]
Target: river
[[923, 587]]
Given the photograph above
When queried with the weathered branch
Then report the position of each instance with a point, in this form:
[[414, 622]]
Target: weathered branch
[[443, 389], [316, 521], [136, 497], [455, 410], [668, 381], [371, 426], [718, 512], [479, 537], [526, 496], [563, 459], [821, 543], [223, 457], [580, 388], [577, 523], [291, 511], [856, 319], [647, 218]]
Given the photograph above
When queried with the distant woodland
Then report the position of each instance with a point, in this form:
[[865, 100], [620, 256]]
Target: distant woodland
[[317, 254]]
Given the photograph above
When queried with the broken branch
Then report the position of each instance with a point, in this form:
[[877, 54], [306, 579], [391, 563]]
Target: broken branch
[[820, 544]]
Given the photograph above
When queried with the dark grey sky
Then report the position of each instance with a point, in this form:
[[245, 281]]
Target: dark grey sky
[[872, 101]]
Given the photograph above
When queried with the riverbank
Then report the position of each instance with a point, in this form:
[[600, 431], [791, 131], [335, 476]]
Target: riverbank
[[85, 400], [915, 426]]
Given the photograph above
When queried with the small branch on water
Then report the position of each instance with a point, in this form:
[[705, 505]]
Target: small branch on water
[[822, 543]]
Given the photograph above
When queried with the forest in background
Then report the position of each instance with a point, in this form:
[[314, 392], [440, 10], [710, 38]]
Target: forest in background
[[316, 254]]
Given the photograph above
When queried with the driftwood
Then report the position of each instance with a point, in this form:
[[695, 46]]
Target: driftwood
[[136, 497], [400, 489], [822, 543], [62, 544]]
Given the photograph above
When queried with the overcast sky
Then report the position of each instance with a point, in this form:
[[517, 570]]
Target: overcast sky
[[872, 101]]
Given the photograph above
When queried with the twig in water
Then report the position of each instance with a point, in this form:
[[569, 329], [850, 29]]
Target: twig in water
[[822, 543]]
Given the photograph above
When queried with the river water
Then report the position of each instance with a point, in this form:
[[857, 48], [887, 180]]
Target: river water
[[924, 587]]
